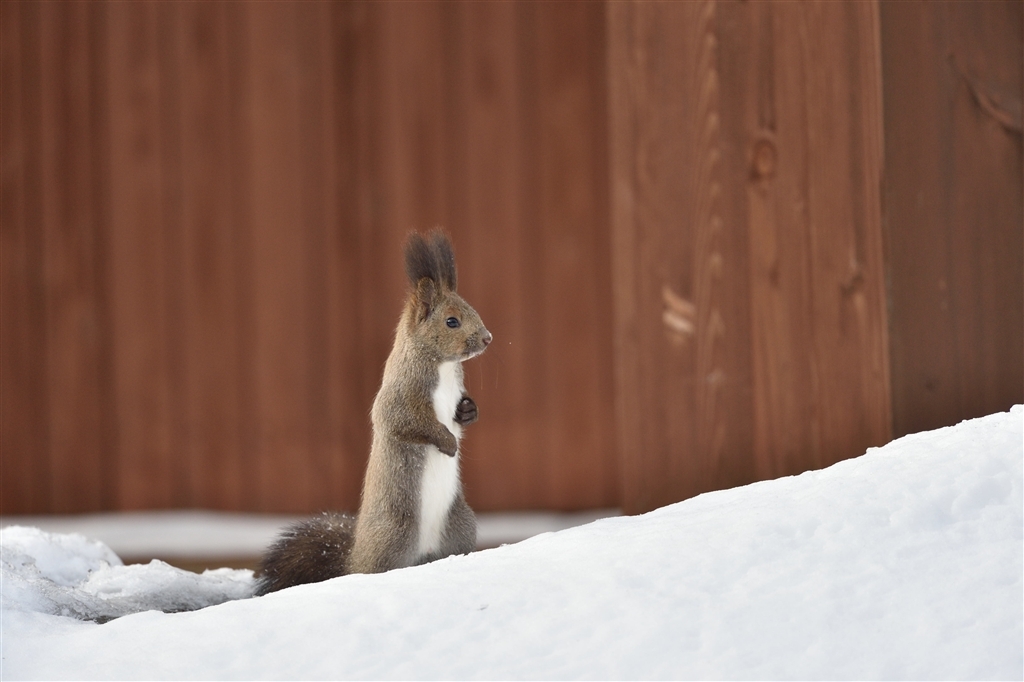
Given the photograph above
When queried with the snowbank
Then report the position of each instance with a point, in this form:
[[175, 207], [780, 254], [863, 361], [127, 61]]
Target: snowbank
[[70, 575], [904, 563]]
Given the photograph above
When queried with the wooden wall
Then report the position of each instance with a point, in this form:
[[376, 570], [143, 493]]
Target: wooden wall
[[954, 215], [751, 314], [817, 227], [203, 212], [716, 241]]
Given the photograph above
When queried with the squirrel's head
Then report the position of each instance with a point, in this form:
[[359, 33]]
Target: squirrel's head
[[437, 318]]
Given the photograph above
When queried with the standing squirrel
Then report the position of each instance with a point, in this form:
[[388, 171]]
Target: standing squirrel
[[412, 509]]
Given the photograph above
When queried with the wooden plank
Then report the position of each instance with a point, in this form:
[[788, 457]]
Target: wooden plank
[[239, 209], [312, 42], [169, 131], [73, 267], [24, 436], [212, 458], [954, 209], [418, 196], [284, 477], [724, 363], [987, 45], [648, 148], [785, 386], [623, 84], [99, 172], [819, 327], [569, 274], [683, 368], [147, 468]]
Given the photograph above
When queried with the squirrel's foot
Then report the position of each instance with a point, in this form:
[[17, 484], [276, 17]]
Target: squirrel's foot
[[466, 412]]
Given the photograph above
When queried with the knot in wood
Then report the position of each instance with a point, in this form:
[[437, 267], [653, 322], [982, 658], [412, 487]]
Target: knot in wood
[[764, 158]]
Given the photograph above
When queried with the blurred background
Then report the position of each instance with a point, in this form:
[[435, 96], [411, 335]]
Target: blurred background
[[716, 242]]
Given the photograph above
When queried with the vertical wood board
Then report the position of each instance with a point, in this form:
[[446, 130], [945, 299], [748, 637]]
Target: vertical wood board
[[953, 196]]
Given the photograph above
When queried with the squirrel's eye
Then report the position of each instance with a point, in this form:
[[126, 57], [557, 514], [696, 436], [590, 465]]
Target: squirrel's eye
[[452, 322]]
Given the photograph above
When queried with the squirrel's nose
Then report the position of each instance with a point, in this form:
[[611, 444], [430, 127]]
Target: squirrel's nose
[[486, 338]]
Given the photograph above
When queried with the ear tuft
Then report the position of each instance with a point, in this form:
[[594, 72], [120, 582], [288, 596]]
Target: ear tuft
[[433, 260], [445, 259], [418, 259]]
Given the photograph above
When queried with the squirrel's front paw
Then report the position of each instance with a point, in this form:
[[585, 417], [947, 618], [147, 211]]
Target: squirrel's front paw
[[447, 443], [466, 412]]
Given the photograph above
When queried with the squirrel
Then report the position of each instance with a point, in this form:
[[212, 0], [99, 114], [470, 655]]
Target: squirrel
[[412, 509]]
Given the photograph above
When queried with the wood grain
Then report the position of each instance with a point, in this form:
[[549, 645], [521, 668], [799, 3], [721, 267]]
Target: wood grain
[[819, 326], [211, 418], [750, 311], [24, 436], [953, 197], [139, 277], [218, 194], [72, 261], [668, 214], [683, 363]]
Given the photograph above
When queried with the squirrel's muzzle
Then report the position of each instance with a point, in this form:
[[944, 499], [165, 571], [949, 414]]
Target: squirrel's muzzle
[[477, 343]]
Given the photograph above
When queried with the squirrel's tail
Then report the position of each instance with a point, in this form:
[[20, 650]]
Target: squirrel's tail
[[310, 551]]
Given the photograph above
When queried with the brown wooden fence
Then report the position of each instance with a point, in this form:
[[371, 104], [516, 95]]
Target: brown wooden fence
[[748, 241], [715, 241]]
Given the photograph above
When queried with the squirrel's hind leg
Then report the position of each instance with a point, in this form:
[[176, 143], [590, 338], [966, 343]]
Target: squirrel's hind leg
[[310, 551], [460, 529]]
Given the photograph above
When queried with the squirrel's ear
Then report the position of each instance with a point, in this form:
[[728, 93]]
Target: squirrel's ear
[[444, 259], [426, 295], [419, 259], [433, 259]]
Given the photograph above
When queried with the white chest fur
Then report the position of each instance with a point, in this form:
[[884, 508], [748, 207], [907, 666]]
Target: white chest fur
[[440, 479], [447, 395]]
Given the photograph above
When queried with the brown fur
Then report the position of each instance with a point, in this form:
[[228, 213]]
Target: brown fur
[[437, 326], [307, 552]]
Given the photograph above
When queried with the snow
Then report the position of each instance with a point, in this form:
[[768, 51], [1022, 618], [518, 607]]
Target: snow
[[904, 563], [71, 575], [196, 534], [168, 534]]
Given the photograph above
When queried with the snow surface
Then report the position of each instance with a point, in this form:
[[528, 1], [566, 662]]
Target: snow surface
[[71, 575], [168, 534], [197, 534], [905, 563]]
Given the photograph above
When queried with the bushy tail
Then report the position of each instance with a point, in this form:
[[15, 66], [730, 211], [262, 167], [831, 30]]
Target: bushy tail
[[310, 551]]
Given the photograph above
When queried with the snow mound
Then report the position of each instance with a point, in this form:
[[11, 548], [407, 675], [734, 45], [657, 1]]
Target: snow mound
[[905, 563], [70, 575]]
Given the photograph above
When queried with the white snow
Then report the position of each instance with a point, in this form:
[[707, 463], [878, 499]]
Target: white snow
[[905, 563], [70, 575], [171, 535], [168, 534]]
